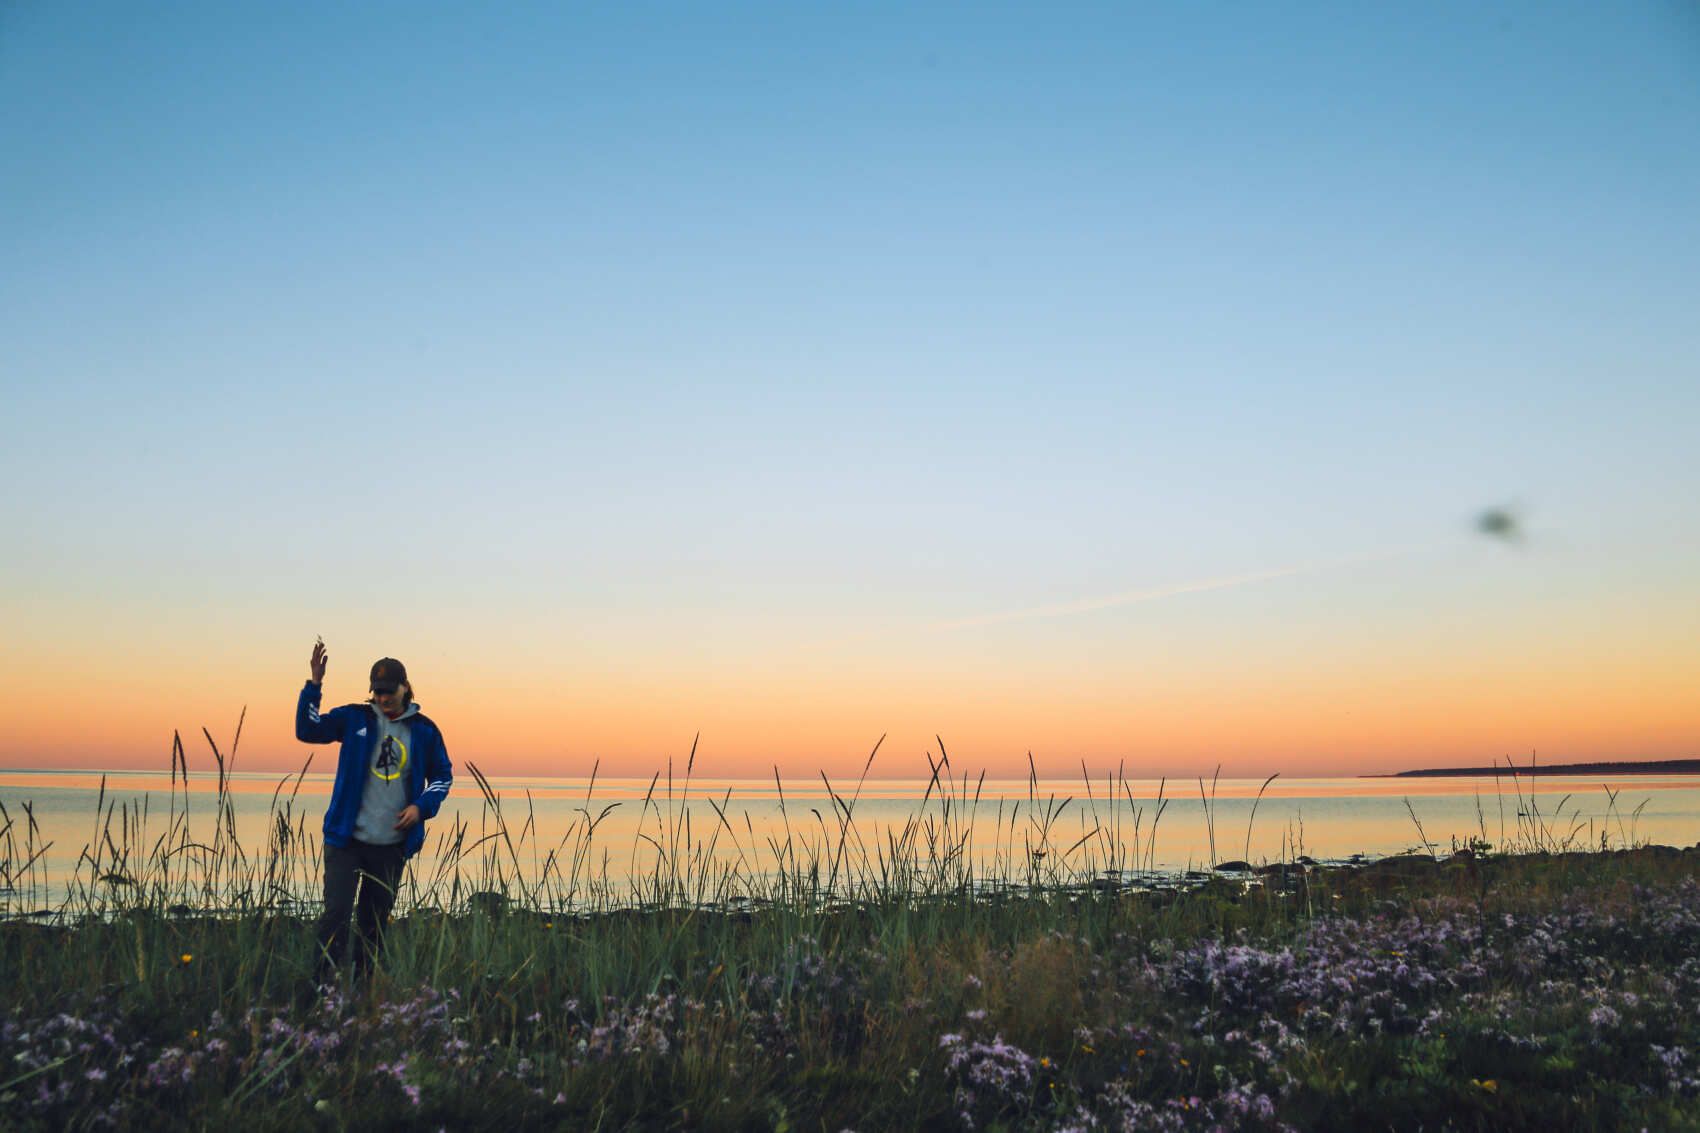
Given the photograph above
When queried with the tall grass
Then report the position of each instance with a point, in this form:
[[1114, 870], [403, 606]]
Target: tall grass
[[190, 859], [688, 849]]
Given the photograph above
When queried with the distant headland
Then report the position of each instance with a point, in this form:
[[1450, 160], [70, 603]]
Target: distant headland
[[1625, 767]]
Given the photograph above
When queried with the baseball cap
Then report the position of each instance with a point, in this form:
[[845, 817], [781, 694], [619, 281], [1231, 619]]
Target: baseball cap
[[387, 674]]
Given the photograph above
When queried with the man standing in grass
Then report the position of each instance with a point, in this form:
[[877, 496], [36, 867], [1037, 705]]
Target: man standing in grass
[[392, 774]]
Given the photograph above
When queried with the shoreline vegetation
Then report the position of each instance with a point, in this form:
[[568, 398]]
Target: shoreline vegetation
[[819, 982], [1507, 770]]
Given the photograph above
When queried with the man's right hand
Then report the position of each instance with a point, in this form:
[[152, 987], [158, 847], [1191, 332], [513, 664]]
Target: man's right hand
[[318, 662]]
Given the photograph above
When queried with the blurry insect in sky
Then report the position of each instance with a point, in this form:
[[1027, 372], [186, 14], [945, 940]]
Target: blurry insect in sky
[[1500, 523]]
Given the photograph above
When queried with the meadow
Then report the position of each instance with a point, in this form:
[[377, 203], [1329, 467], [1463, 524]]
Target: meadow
[[1545, 979]]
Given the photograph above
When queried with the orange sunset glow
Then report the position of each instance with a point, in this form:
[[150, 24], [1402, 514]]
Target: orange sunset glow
[[1186, 690]]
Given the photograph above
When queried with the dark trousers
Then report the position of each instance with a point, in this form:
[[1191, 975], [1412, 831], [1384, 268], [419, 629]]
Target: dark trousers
[[360, 881]]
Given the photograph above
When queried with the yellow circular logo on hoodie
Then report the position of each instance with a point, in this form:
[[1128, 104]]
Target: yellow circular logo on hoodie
[[391, 760]]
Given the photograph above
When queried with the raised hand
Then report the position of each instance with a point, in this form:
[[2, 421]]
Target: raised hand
[[320, 657]]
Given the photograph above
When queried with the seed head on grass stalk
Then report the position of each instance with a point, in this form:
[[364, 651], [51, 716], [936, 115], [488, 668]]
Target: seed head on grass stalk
[[1420, 832], [1210, 811], [1253, 817], [494, 802]]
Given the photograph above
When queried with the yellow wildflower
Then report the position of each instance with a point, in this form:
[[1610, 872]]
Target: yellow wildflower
[[1491, 1085], [187, 956]]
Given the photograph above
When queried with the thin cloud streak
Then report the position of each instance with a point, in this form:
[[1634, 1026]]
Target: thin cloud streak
[[1152, 594]]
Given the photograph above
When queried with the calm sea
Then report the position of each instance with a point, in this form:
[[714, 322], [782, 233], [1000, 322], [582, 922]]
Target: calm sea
[[753, 828]]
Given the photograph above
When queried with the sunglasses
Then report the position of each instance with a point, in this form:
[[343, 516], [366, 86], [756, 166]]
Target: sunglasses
[[385, 691]]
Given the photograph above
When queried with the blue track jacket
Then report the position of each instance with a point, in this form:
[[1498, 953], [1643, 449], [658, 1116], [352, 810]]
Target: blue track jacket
[[428, 776]]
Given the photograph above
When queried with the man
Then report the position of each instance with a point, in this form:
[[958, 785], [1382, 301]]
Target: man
[[392, 774]]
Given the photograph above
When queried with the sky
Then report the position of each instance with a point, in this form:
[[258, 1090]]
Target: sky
[[1117, 383]]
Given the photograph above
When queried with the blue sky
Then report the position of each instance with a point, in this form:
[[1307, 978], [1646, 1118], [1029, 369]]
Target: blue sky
[[672, 339]]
